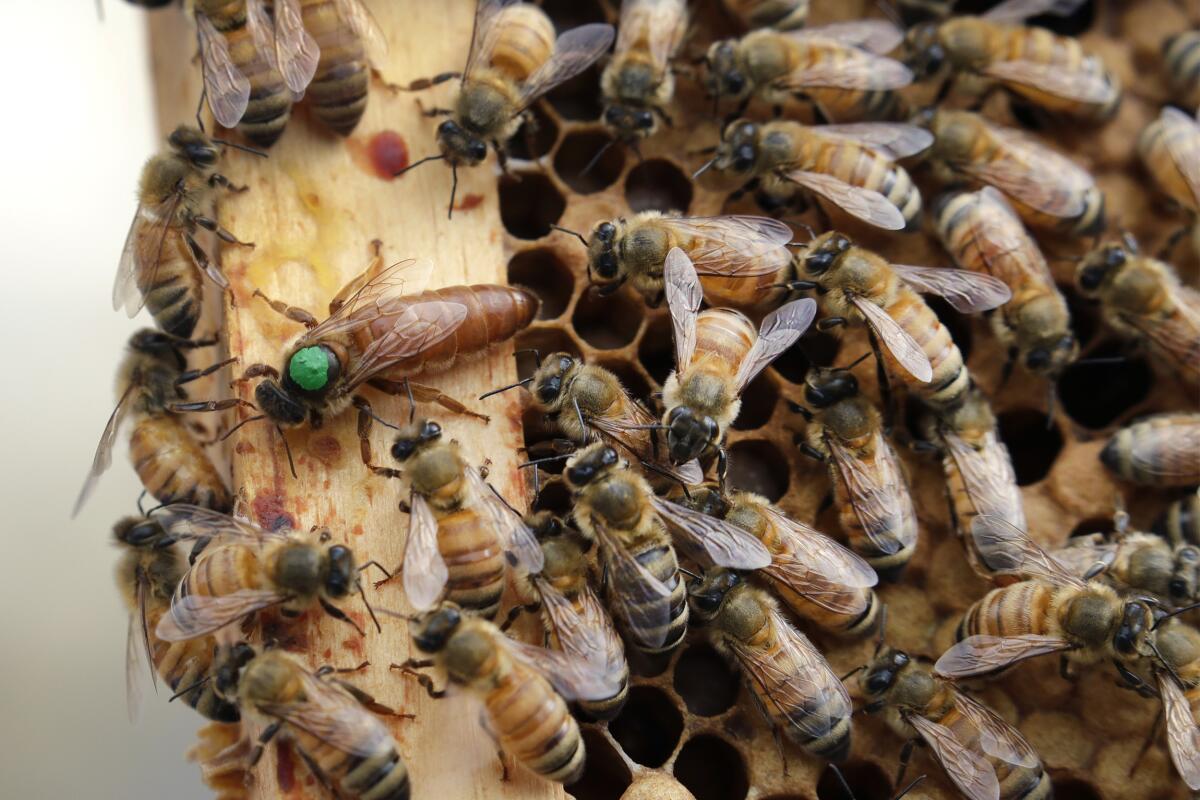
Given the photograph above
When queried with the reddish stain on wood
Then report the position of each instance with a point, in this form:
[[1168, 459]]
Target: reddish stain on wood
[[357, 530], [243, 448], [383, 155], [328, 654], [354, 643], [469, 202], [326, 449], [270, 511]]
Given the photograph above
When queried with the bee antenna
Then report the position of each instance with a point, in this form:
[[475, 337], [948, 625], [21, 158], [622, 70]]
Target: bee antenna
[[655, 468], [812, 234], [400, 172], [703, 151], [287, 449], [387, 612], [506, 388], [691, 574], [453, 190], [534, 462], [200, 106], [1103, 360], [704, 168], [234, 429], [596, 158], [1167, 664], [910, 786], [570, 232], [140, 498], [842, 780], [244, 148], [859, 668], [187, 689], [1174, 613], [879, 641], [855, 362]]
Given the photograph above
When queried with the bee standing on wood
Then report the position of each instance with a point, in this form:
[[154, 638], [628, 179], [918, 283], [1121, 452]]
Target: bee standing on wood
[[638, 83]]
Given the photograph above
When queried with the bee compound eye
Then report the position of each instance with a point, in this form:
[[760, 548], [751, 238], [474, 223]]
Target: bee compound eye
[[431, 430], [402, 449]]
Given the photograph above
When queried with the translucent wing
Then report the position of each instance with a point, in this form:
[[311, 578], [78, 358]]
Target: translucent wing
[[997, 738], [518, 539], [903, 347], [194, 615], [734, 246], [362, 22], [987, 473], [1034, 174], [142, 253], [333, 716], [583, 628], [879, 495], [1183, 735], [1177, 336], [369, 297], [630, 427], [189, 523], [1001, 242], [1082, 555], [815, 566], [421, 325], [876, 35], [684, 295], [711, 540], [979, 655], [227, 89], [425, 571], [483, 34], [574, 51], [1005, 548], [262, 30], [967, 292], [894, 139], [639, 599], [102, 460], [1180, 133], [139, 658], [296, 51], [656, 25], [867, 204], [1172, 451], [573, 677], [1087, 83], [780, 329], [970, 771], [1016, 11], [846, 67]]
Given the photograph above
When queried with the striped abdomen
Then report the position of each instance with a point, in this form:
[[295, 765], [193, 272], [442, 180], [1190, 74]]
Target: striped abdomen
[[782, 15], [988, 460], [494, 315], [184, 664], [222, 569], [1163, 450], [176, 293], [589, 608], [950, 377], [173, 467], [841, 105], [533, 724], [338, 91], [660, 561], [1180, 523], [524, 38], [1014, 610], [380, 776], [745, 293], [1064, 54], [723, 339], [270, 103], [1182, 54], [474, 557], [858, 166], [1155, 152]]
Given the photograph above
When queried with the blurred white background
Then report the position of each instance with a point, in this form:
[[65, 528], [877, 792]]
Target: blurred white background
[[78, 127]]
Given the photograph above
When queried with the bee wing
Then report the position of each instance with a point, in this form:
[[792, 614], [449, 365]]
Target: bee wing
[[987, 473], [780, 329], [1169, 451], [1005, 248], [639, 598], [1016, 11], [518, 539], [893, 139], [296, 51], [1081, 556], [880, 494], [227, 89], [425, 571], [866, 204], [483, 34], [1086, 84], [370, 296], [137, 257], [574, 51], [1178, 335], [969, 770], [632, 431], [684, 295], [1006, 548], [875, 35], [711, 540], [812, 559], [1183, 735], [997, 738], [659, 24], [363, 23], [419, 326], [138, 655], [333, 716], [572, 677], [847, 67], [102, 460], [897, 340], [1181, 133], [195, 615], [1033, 173], [583, 628], [979, 655], [734, 246], [186, 523], [967, 292]]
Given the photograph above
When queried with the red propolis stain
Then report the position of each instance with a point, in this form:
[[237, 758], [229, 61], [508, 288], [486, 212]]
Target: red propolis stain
[[357, 530], [269, 511], [383, 155], [469, 202], [328, 654], [326, 448], [354, 644], [243, 448], [285, 767]]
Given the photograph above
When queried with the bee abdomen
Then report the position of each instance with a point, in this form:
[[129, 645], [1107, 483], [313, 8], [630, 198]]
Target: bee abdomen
[[223, 570], [725, 333], [1009, 611], [535, 727], [339, 88], [474, 558], [524, 40], [1180, 523], [1182, 54], [607, 709], [1155, 152], [950, 378], [184, 664], [173, 467], [175, 297], [662, 564], [383, 776], [270, 103], [857, 622], [861, 167]]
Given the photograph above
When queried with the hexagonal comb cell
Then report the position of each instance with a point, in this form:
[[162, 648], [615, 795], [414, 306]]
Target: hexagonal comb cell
[[589, 161], [712, 769], [1032, 444], [1096, 394], [705, 681], [757, 465], [607, 323], [543, 272], [655, 351], [536, 140], [529, 204], [864, 779], [605, 776], [758, 403], [577, 99], [648, 727], [658, 185]]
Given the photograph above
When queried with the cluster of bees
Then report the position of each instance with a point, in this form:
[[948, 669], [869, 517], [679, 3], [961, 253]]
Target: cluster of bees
[[652, 544]]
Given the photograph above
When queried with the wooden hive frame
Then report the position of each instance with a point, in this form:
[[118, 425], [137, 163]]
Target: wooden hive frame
[[316, 203]]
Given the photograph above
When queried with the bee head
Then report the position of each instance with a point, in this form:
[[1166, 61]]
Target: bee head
[[436, 628], [228, 666], [341, 573], [628, 122], [142, 532], [724, 77], [824, 251], [589, 463], [825, 387], [1182, 585], [544, 525], [689, 433], [1137, 620], [192, 144], [414, 437], [707, 592], [459, 146], [738, 150], [1098, 266], [282, 407], [602, 252], [925, 54], [158, 345], [884, 669]]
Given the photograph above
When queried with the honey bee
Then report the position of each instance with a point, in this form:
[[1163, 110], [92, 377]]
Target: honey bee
[[347, 748], [161, 261], [1143, 300], [1047, 190], [1159, 450], [782, 15], [574, 618], [985, 757], [790, 680], [856, 283], [459, 531], [1181, 53], [979, 471], [615, 507], [637, 84], [514, 59], [379, 334], [325, 49], [852, 166], [869, 487], [1049, 71], [244, 569], [813, 575], [1169, 149], [1053, 612], [1140, 561], [1180, 523], [171, 464], [839, 68], [717, 354], [523, 688], [1177, 675], [148, 572], [982, 234], [588, 403], [242, 79]]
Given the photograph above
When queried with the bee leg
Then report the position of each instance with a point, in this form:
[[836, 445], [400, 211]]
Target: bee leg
[[294, 313], [514, 614], [208, 405], [365, 418], [722, 469], [905, 756], [428, 394], [812, 452], [210, 224], [264, 739], [885, 385], [318, 773], [337, 613], [1164, 252], [423, 680], [421, 84], [433, 112], [502, 160], [255, 371], [200, 256], [366, 698], [1064, 669], [529, 129], [1150, 737], [195, 374], [217, 179]]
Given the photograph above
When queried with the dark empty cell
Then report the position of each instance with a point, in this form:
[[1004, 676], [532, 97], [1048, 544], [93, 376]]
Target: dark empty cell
[[541, 271], [589, 161], [711, 769], [529, 204], [608, 322], [786, 797], [1095, 394], [758, 466], [578, 98], [1032, 446], [569, 14], [1073, 24], [605, 775], [540, 342], [1085, 314], [957, 324], [1092, 525], [758, 403], [656, 350], [629, 377], [536, 140], [554, 496], [705, 681], [542, 440], [865, 780], [1069, 789], [658, 185], [648, 726], [645, 665], [815, 348]]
